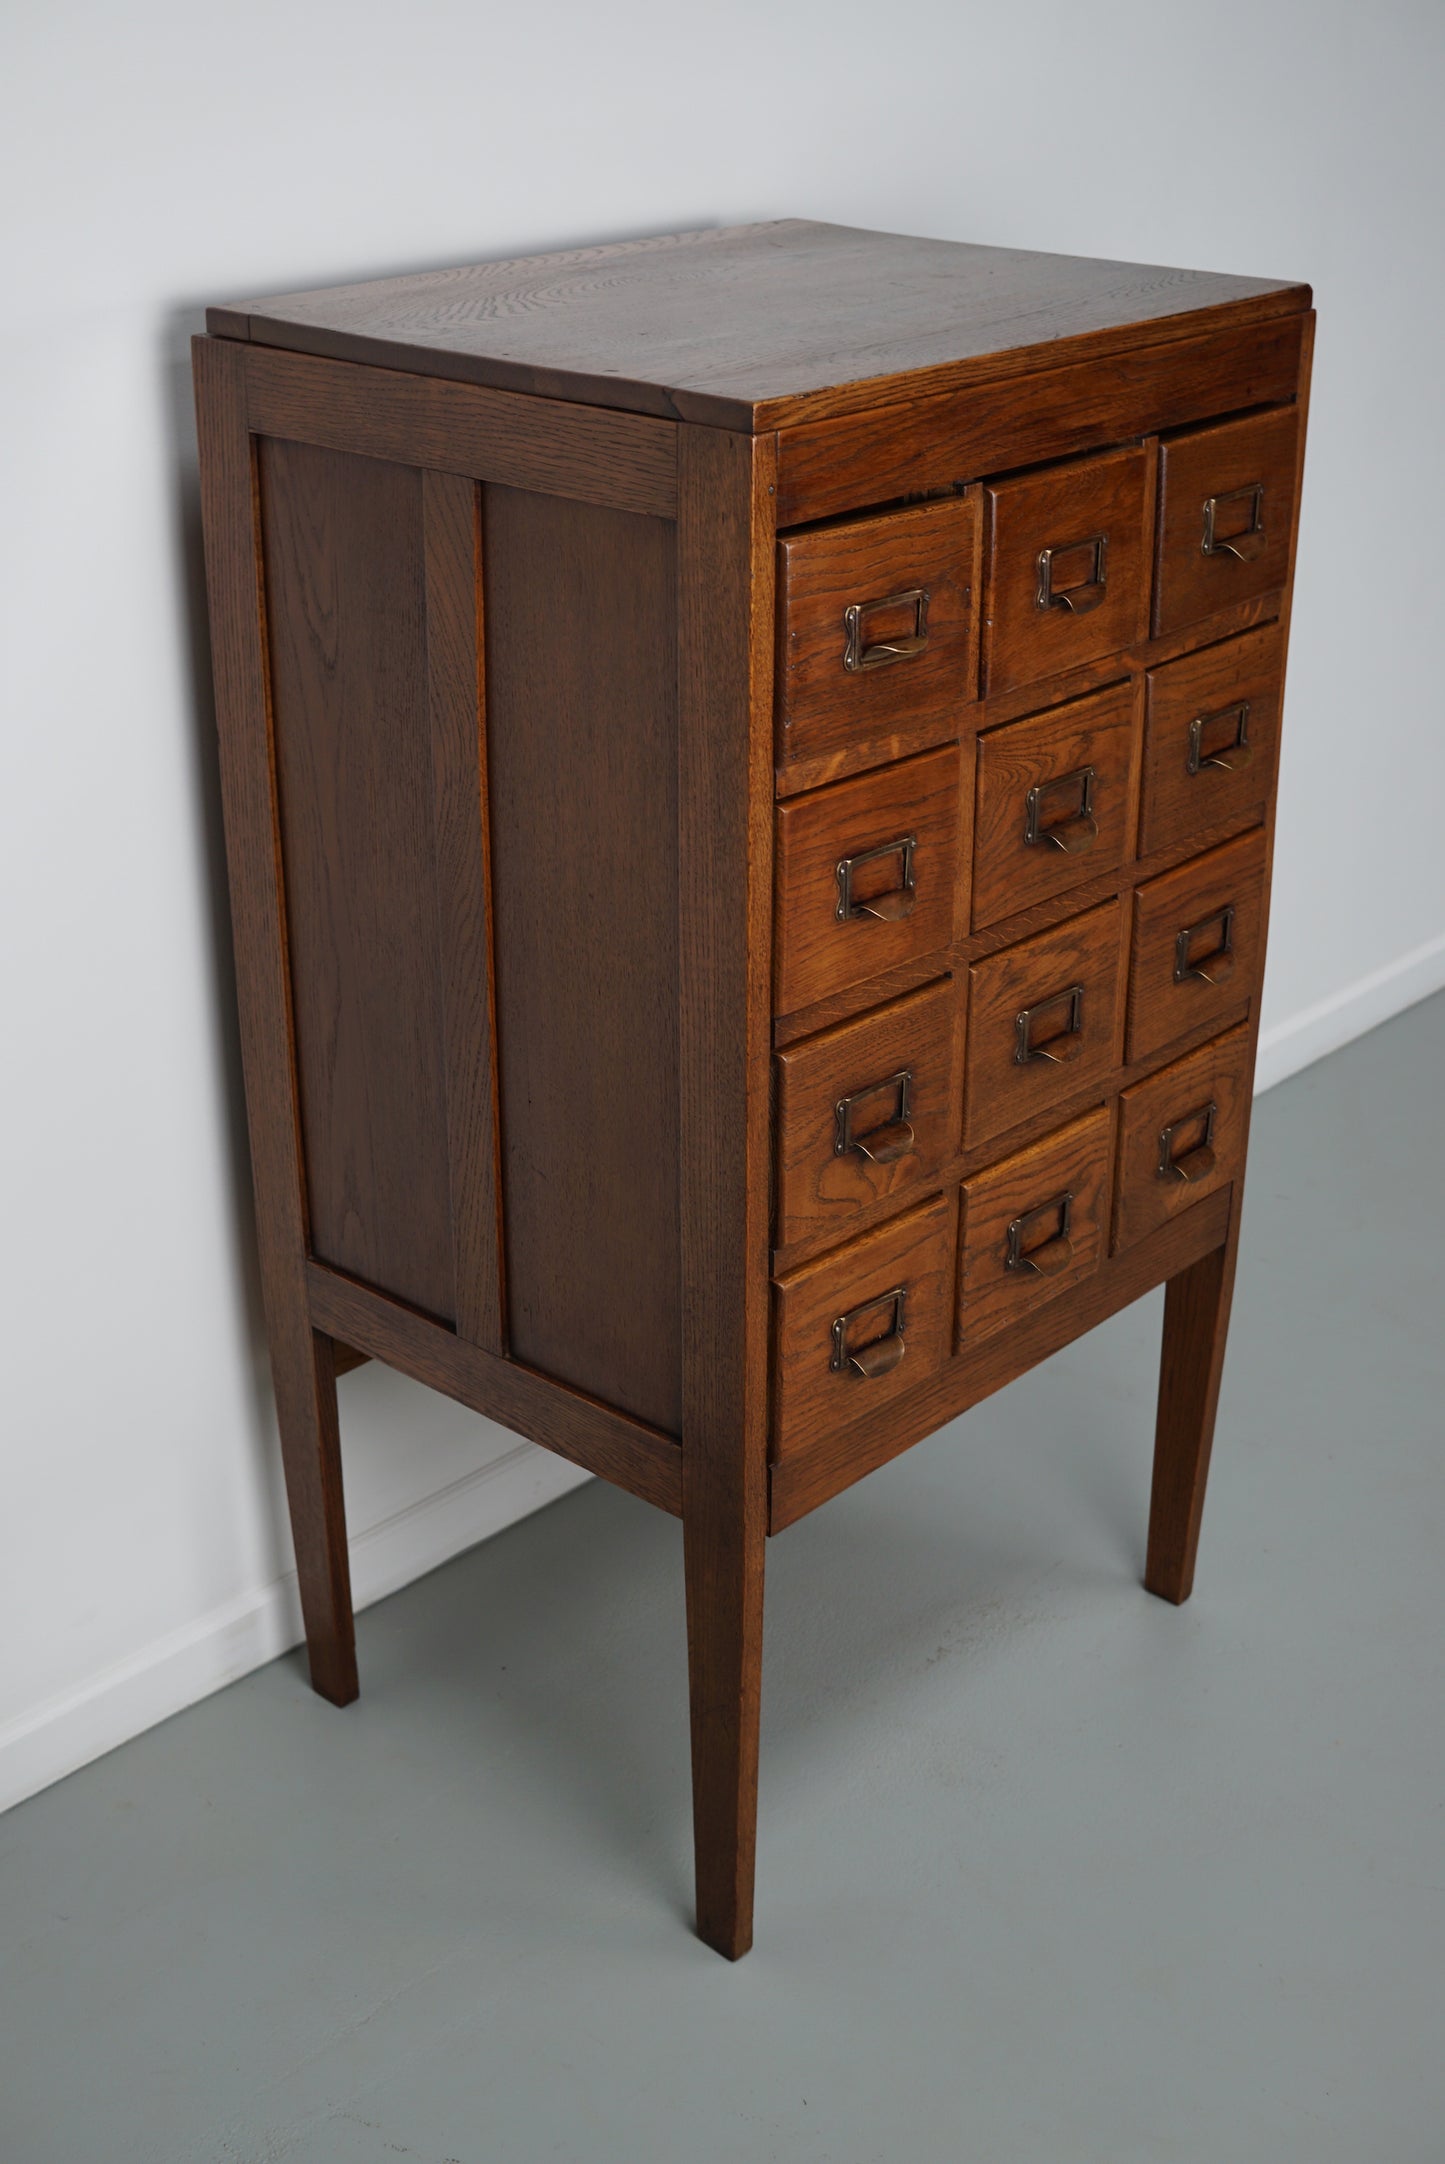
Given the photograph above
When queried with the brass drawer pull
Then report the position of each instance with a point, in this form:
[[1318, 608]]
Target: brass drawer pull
[[1078, 830], [1228, 757], [1050, 1256], [890, 907], [880, 1355], [1064, 1044], [886, 1143], [1216, 967], [1192, 1164], [1247, 546], [857, 655], [1089, 592]]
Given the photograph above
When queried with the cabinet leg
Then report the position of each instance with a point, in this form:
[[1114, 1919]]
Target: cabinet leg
[[304, 1372], [1196, 1324], [724, 1569]]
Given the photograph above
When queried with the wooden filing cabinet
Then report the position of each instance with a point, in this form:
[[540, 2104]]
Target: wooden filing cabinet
[[748, 764]]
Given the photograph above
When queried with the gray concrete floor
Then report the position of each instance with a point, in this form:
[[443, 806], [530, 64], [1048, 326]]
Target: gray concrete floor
[[1048, 1871]]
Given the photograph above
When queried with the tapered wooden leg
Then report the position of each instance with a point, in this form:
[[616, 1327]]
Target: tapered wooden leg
[[724, 1565], [304, 1372], [1196, 1324]]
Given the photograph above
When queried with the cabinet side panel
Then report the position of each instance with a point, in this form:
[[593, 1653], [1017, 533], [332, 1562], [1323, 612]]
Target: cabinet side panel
[[346, 615], [582, 764]]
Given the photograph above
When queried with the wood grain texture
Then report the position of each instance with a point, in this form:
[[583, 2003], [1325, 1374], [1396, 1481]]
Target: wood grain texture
[[302, 1360], [1213, 1081], [1074, 1162], [757, 327], [922, 443], [725, 680], [346, 614], [581, 703], [928, 550], [451, 530], [545, 445], [1043, 752], [1182, 798], [800, 1483], [912, 1254], [1210, 463], [567, 1422], [819, 1189], [1062, 509], [1076, 1043], [1192, 898], [817, 953]]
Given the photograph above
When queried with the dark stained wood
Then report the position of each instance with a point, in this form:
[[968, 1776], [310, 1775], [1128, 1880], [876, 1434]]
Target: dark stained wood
[[1075, 1042], [1074, 1162], [1192, 898], [451, 528], [1209, 464], [346, 1357], [725, 677], [800, 1483], [912, 1255], [581, 705], [820, 1189], [866, 563], [762, 326], [1043, 752], [1178, 804], [1091, 517], [620, 460], [568, 1422], [1203, 1099], [924, 444], [302, 1367], [346, 620], [917, 801]]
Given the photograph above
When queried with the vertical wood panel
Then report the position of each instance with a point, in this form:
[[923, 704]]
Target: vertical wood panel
[[581, 706], [344, 559], [725, 552], [451, 517]]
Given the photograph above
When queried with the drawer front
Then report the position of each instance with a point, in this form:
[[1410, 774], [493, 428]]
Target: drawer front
[[877, 625], [1068, 568], [1045, 1021], [1181, 1135], [865, 1110], [1211, 739], [1032, 1227], [1226, 508], [856, 1329], [1055, 802], [866, 872], [1198, 944]]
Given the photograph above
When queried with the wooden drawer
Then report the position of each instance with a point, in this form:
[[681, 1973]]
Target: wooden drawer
[[866, 872], [1211, 739], [877, 625], [1068, 567], [1045, 1021], [1226, 509], [862, 1325], [1181, 1135], [1055, 799], [1198, 944], [1032, 1226], [865, 1110]]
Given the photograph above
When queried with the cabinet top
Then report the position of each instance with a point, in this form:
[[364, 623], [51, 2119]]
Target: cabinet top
[[755, 326]]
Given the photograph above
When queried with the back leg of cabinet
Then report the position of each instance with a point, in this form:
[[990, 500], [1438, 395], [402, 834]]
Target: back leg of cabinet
[[1196, 1326], [303, 1368]]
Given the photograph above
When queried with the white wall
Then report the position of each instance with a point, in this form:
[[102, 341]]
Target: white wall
[[160, 155]]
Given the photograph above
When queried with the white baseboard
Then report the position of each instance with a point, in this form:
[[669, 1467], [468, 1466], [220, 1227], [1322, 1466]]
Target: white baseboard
[[188, 1664], [1305, 1037]]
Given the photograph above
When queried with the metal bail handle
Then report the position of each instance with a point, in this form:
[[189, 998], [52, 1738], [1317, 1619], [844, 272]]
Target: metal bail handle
[[1245, 547], [878, 655], [881, 1355], [1216, 967], [1065, 1044], [1230, 757], [1076, 833], [893, 1138], [1077, 600], [1192, 1164], [1050, 1256], [887, 908]]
